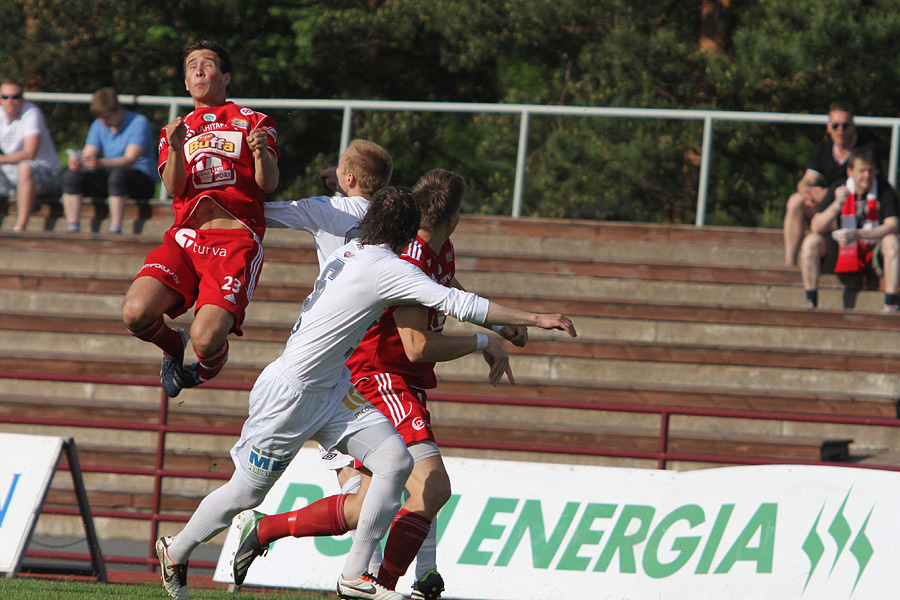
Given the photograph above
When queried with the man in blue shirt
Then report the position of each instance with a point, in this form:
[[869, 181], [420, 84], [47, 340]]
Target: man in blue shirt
[[118, 161]]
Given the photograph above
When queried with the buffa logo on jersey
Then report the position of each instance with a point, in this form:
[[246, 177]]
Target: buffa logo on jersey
[[187, 239]]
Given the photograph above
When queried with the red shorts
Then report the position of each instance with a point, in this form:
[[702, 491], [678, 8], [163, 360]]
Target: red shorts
[[404, 406], [208, 266]]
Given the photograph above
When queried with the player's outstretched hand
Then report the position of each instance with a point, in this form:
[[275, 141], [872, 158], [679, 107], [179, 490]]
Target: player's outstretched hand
[[557, 321], [498, 359]]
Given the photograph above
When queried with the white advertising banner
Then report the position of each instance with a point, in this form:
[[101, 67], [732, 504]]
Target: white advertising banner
[[29, 462], [534, 531]]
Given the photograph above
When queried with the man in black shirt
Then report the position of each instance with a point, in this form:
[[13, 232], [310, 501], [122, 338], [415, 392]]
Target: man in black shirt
[[828, 164]]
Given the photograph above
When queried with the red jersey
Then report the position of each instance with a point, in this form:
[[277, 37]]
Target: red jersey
[[220, 163], [381, 350]]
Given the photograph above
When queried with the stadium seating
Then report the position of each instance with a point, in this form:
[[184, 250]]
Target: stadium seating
[[668, 316]]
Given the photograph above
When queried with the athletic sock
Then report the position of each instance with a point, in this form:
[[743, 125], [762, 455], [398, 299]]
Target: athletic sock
[[426, 557], [890, 299], [408, 531], [160, 335], [324, 517], [212, 364]]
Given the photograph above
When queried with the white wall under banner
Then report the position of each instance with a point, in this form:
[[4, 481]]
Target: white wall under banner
[[533, 531], [29, 462]]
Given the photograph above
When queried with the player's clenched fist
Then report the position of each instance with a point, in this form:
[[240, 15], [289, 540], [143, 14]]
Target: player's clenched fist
[[176, 132], [258, 141]]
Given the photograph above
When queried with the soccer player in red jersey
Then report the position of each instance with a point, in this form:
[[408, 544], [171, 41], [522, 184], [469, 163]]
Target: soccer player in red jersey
[[218, 163], [393, 367]]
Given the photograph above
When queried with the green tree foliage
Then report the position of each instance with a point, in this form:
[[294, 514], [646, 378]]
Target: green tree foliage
[[741, 55]]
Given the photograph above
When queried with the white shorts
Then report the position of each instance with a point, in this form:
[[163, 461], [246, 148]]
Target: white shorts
[[284, 415], [334, 460]]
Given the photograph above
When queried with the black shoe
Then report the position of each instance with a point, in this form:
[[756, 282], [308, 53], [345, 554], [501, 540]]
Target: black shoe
[[249, 547], [429, 587], [171, 374]]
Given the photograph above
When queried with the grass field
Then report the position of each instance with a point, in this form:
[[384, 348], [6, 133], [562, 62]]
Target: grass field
[[25, 588]]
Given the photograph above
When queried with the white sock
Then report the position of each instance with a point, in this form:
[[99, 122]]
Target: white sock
[[351, 486], [426, 559], [391, 465], [213, 515]]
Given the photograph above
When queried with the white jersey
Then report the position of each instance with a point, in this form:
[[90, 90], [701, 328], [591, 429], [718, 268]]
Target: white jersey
[[350, 295], [331, 220], [30, 123]]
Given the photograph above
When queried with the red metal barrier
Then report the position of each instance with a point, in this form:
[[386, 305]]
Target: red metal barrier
[[159, 472]]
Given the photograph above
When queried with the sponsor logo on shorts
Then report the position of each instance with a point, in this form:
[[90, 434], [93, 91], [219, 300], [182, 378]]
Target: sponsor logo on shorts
[[418, 424], [187, 239], [230, 298], [268, 464], [162, 268], [357, 403]]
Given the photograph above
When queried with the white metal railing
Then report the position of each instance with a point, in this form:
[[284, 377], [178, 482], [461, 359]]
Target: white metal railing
[[525, 111]]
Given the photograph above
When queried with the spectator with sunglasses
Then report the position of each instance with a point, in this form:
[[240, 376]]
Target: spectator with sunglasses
[[828, 164], [29, 166]]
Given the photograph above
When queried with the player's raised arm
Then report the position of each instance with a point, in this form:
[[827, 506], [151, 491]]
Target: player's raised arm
[[499, 314], [516, 334]]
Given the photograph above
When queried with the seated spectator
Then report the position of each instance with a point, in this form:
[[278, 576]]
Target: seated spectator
[[28, 164], [118, 160], [826, 166], [856, 228]]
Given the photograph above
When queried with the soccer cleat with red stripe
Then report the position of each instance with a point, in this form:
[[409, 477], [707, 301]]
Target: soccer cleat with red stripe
[[174, 576]]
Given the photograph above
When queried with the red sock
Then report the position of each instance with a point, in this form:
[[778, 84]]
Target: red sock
[[161, 336], [408, 531], [212, 364], [325, 517]]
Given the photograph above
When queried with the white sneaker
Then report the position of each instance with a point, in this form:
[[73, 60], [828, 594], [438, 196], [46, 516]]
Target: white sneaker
[[174, 576], [366, 587]]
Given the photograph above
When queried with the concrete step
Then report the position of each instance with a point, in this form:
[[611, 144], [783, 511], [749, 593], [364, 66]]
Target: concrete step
[[569, 395], [260, 345], [832, 295], [587, 362], [476, 234], [488, 275], [874, 333], [772, 379]]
